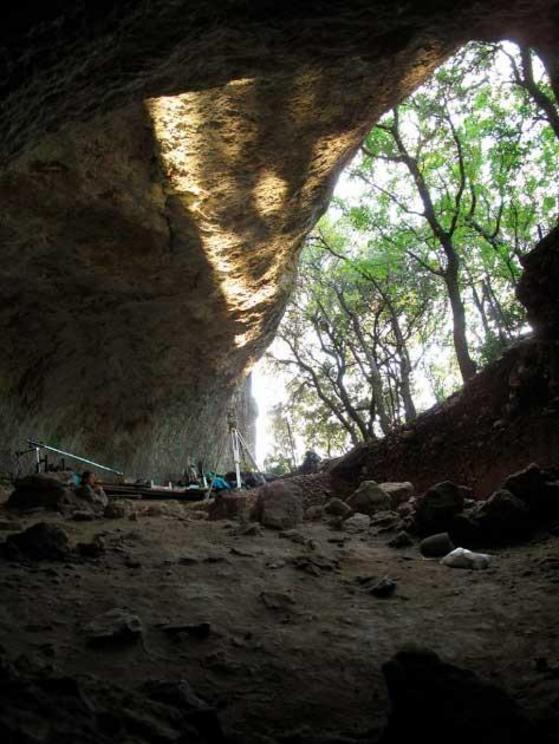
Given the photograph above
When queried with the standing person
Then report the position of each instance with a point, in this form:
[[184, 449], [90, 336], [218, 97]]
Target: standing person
[[310, 463]]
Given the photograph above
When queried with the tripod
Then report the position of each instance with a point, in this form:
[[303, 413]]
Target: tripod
[[238, 444]]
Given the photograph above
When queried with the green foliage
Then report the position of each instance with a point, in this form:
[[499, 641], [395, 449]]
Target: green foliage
[[448, 192]]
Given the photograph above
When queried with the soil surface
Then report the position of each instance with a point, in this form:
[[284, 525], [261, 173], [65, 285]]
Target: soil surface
[[296, 639]]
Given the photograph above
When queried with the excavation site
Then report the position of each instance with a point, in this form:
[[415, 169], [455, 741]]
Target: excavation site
[[279, 390]]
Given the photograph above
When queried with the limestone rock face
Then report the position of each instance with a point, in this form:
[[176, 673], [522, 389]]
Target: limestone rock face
[[162, 165]]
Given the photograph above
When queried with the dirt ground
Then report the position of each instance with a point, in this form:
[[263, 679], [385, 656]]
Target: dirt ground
[[293, 643]]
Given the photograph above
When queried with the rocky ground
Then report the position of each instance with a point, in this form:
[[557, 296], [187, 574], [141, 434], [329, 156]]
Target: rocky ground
[[282, 633]]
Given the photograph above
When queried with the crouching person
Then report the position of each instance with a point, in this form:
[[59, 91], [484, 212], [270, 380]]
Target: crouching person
[[91, 491]]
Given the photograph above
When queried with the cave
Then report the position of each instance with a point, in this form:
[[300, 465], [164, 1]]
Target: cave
[[161, 166]]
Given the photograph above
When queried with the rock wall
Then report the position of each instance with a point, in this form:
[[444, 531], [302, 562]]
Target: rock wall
[[162, 164]]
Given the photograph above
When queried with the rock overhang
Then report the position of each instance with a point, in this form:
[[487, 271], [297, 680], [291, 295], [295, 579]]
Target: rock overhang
[[154, 203]]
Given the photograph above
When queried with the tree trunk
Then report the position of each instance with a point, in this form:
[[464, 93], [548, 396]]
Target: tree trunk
[[465, 362]]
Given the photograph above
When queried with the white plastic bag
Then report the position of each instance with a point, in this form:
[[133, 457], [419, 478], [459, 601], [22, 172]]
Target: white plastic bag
[[463, 558]]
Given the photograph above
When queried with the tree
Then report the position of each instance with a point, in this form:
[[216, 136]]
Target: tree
[[346, 337], [422, 254]]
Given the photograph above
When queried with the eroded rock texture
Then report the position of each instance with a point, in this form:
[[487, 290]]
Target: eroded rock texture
[[163, 163]]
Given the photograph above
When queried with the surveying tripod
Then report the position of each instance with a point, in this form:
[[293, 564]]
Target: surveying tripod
[[238, 444]]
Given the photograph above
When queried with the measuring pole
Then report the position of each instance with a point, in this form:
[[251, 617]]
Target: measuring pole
[[236, 444]]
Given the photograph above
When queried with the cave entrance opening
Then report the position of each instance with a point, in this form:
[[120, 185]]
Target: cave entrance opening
[[410, 282]]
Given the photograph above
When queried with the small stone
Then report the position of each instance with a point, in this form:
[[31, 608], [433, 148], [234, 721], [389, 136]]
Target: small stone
[[337, 508], [436, 546], [92, 549], [186, 560], [357, 523], [132, 563], [463, 558], [215, 558], [117, 625], [314, 513], [293, 536], [384, 588], [242, 553], [201, 631], [118, 510], [249, 530], [314, 565], [400, 540], [198, 515], [277, 601]]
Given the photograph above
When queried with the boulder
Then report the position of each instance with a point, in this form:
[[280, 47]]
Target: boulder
[[527, 483], [537, 488], [398, 493], [465, 530], [337, 508], [436, 546], [232, 506], [42, 541], [502, 516], [439, 505], [280, 505], [369, 498], [384, 521], [39, 492], [440, 703]]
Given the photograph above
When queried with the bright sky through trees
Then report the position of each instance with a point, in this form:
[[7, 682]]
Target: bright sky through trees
[[408, 283]]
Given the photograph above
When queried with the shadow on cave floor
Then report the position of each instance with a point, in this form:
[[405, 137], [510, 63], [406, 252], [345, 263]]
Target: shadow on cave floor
[[278, 649]]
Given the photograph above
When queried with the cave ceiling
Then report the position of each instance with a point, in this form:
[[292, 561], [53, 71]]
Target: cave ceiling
[[162, 163]]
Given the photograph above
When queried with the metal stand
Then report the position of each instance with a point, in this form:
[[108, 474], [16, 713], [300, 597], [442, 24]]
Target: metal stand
[[38, 446], [238, 444]]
